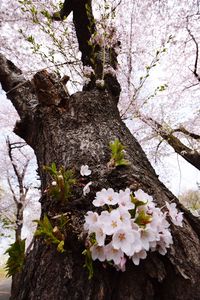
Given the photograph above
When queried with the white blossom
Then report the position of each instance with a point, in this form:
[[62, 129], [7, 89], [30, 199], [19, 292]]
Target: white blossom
[[110, 221], [121, 232], [122, 239], [176, 217], [125, 218], [165, 242], [136, 245], [125, 199], [137, 256], [113, 254], [122, 265], [98, 252], [99, 234], [85, 171], [147, 235], [86, 188], [54, 183], [142, 196], [91, 219], [105, 197]]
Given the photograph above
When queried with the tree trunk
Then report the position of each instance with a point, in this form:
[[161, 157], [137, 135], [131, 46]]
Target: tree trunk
[[72, 134]]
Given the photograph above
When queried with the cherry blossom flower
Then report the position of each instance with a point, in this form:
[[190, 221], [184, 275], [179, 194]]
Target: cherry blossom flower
[[122, 265], [125, 218], [113, 254], [142, 196], [158, 222], [176, 217], [91, 219], [86, 188], [106, 197], [121, 234], [165, 242], [99, 234], [110, 221], [98, 252], [122, 239], [125, 199], [147, 235], [136, 245], [137, 256], [54, 183], [85, 171]]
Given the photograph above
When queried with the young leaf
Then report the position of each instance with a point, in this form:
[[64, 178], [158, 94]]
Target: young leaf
[[88, 263], [117, 154], [15, 262]]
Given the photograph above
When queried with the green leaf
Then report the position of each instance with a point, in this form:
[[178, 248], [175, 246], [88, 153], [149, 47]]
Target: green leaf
[[88, 263], [15, 262], [136, 201], [65, 181], [60, 247], [46, 230], [143, 219], [30, 39], [46, 14], [117, 154]]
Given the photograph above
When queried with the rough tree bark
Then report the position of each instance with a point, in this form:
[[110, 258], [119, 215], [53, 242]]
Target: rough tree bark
[[76, 130]]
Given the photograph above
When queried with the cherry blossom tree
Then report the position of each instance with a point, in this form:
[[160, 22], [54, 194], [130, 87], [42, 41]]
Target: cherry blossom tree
[[151, 100], [71, 136]]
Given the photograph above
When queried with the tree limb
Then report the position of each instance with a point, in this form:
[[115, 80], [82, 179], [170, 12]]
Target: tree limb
[[186, 132], [197, 50], [84, 23], [190, 155], [19, 90]]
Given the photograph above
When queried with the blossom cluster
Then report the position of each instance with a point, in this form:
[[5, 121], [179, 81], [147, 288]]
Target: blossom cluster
[[128, 227]]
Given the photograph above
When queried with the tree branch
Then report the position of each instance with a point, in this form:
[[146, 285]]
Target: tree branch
[[84, 23], [11, 189], [190, 155], [197, 50], [19, 90], [186, 132]]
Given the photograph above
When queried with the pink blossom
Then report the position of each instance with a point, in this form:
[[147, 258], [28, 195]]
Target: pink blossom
[[106, 197], [99, 234], [113, 254], [122, 239], [125, 199], [98, 252], [122, 265], [137, 256], [147, 235], [91, 219], [176, 217], [110, 221], [144, 197]]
